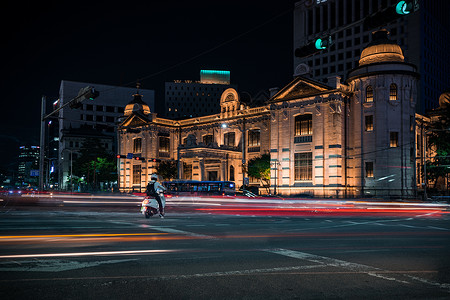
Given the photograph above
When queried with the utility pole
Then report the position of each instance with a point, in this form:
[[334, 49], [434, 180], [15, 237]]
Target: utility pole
[[84, 93], [42, 145]]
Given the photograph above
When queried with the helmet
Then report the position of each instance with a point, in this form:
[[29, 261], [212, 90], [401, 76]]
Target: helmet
[[154, 177]]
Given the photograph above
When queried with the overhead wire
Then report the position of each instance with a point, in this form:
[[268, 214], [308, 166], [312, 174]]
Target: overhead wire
[[204, 52]]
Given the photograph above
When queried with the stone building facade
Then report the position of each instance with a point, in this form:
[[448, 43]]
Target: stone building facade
[[207, 148], [355, 138]]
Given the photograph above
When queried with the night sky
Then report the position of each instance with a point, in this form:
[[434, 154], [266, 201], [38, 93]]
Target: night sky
[[117, 43]]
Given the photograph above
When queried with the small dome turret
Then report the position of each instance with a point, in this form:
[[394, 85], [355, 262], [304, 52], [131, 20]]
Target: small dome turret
[[381, 49], [137, 105]]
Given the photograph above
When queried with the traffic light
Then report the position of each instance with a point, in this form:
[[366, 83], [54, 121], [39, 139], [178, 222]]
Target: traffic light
[[121, 156], [91, 94], [139, 158], [84, 93], [154, 160], [387, 15], [313, 47]]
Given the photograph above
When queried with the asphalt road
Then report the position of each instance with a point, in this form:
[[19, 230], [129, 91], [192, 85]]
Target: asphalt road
[[102, 253]]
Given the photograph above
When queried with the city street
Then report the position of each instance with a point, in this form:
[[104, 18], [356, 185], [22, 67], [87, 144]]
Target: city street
[[91, 252]]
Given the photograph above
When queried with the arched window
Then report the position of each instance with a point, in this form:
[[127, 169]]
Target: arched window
[[369, 94], [393, 92], [231, 173]]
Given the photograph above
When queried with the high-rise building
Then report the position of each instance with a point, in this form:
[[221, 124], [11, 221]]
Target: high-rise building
[[95, 118], [28, 170], [187, 98], [423, 36]]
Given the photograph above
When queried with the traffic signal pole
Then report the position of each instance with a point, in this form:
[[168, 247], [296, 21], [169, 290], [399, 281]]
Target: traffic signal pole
[[42, 145], [83, 94]]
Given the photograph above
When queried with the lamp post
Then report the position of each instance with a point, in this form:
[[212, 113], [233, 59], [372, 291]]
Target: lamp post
[[276, 163], [242, 130]]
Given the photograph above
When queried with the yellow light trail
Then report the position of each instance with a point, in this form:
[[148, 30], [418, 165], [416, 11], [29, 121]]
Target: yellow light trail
[[81, 235], [88, 253]]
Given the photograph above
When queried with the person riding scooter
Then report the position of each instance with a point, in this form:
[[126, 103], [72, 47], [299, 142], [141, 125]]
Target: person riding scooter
[[155, 189]]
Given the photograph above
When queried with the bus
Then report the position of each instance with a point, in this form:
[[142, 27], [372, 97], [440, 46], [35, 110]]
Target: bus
[[183, 187]]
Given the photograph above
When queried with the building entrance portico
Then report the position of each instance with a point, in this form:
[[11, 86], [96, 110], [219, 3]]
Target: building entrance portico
[[210, 163]]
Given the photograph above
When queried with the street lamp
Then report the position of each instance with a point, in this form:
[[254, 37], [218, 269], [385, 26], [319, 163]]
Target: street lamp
[[242, 130], [275, 163]]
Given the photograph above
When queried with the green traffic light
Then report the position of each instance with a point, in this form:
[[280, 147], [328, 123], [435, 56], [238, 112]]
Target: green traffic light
[[319, 44], [402, 8]]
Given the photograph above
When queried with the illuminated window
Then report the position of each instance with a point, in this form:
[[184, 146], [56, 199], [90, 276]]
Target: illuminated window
[[369, 169], [229, 139], [303, 166], [393, 139], [137, 174], [208, 139], [137, 145], [393, 92], [369, 94], [164, 144], [303, 125], [254, 137], [187, 171], [369, 123], [231, 173]]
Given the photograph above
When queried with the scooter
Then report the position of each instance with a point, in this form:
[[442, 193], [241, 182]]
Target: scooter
[[150, 207]]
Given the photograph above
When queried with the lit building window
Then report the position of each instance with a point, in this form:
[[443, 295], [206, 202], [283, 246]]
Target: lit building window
[[303, 125], [369, 169], [229, 139], [393, 92], [164, 144], [369, 94], [393, 139], [231, 173], [187, 171], [254, 137], [137, 145], [303, 166], [137, 174], [369, 123], [208, 139]]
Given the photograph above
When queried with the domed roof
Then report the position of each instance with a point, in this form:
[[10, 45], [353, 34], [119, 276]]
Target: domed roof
[[137, 105], [381, 49]]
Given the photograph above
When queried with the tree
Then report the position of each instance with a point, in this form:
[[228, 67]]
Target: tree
[[259, 168], [438, 166], [94, 165], [167, 169]]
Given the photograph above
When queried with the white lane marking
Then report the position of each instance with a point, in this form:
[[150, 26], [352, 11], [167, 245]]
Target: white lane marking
[[438, 228], [242, 272], [86, 253], [327, 261], [409, 226], [369, 270], [430, 282], [176, 231], [54, 265]]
